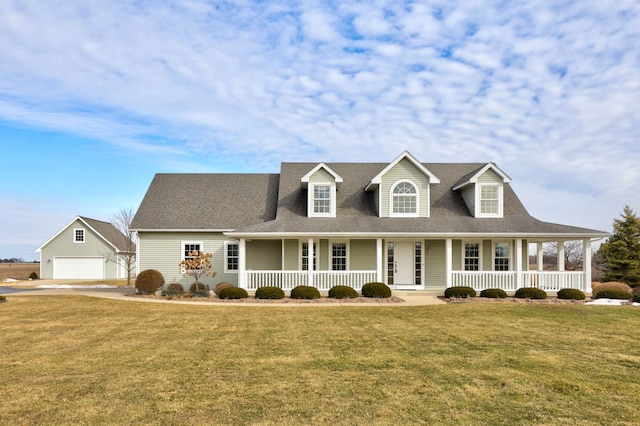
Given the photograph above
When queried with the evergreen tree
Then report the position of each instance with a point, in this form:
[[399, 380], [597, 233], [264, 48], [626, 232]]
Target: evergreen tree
[[621, 252]]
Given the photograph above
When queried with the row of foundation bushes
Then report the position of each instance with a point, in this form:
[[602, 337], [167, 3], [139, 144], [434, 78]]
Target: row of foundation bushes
[[150, 281], [522, 293]]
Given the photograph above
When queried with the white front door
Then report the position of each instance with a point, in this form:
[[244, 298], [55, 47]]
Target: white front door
[[404, 264]]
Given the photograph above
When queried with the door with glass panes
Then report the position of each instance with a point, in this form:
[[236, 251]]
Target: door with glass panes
[[404, 263]]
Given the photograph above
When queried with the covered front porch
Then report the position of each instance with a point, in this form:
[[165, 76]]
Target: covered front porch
[[406, 263]]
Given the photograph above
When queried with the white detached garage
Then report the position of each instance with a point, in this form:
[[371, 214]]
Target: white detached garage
[[85, 249]]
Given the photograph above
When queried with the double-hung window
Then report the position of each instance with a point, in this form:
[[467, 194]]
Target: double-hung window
[[189, 248], [231, 256], [489, 200], [501, 257], [322, 199], [339, 257], [472, 256]]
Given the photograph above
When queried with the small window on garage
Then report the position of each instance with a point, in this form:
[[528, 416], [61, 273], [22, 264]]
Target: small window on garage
[[78, 235]]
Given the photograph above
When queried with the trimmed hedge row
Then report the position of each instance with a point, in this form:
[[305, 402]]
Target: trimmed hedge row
[[570, 294], [494, 293], [269, 293]]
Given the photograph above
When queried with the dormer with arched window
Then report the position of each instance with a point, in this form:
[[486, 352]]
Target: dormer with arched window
[[402, 189]]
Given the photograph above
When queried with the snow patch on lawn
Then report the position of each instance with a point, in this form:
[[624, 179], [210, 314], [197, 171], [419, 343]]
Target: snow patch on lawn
[[611, 302]]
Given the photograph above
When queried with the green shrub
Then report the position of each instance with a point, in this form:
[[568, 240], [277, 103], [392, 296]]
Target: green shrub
[[376, 290], [221, 286], [149, 281], [570, 294], [636, 297], [33, 276], [3, 299], [198, 287], [613, 294], [494, 293], [233, 293], [342, 292], [269, 293], [459, 291], [530, 293], [305, 292], [174, 289]]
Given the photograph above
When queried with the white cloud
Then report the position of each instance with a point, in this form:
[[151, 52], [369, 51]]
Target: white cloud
[[537, 87]]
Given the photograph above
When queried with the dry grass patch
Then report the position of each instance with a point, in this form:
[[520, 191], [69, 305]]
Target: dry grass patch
[[18, 271], [70, 360]]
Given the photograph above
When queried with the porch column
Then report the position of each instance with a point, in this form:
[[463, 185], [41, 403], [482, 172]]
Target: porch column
[[311, 253], [518, 263], [242, 263], [448, 260], [586, 264], [540, 257], [560, 256], [379, 261]]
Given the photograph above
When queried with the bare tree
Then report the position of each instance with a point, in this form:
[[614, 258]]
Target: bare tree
[[125, 241], [573, 254]]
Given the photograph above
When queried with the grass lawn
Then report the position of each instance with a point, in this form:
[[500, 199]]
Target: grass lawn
[[74, 360]]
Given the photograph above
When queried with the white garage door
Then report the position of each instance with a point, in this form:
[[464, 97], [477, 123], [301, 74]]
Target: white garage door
[[78, 268]]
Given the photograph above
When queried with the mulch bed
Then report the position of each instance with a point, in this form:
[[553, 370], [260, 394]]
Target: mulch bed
[[286, 300], [547, 301]]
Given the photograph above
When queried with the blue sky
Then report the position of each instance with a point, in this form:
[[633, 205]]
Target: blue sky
[[96, 97]]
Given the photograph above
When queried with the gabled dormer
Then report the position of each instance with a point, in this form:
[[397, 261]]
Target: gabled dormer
[[321, 184], [403, 188], [483, 192]]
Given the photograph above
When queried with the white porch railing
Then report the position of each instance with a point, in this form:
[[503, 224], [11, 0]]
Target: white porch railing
[[481, 280], [553, 280], [322, 280], [544, 280]]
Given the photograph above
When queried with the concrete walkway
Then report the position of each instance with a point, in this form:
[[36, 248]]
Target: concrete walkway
[[410, 298]]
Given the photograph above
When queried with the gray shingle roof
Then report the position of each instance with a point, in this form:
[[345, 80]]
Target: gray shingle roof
[[109, 232], [207, 201], [272, 203]]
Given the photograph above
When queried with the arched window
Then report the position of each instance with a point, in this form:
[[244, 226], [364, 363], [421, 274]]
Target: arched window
[[404, 199]]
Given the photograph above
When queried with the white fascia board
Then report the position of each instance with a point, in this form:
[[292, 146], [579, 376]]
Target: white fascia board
[[377, 180], [280, 235], [474, 179], [39, 250], [183, 230], [58, 233]]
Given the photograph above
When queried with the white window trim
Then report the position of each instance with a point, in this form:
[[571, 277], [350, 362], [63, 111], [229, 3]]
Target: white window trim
[[478, 202], [330, 254], [462, 255], [84, 235], [493, 254], [332, 201], [184, 243], [226, 257], [417, 213]]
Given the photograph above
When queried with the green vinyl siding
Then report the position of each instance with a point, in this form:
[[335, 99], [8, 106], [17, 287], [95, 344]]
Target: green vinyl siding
[[404, 169], [162, 251], [469, 196], [435, 272], [63, 245], [291, 256], [323, 255], [321, 175], [456, 252], [362, 255], [489, 177], [487, 255], [264, 255]]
